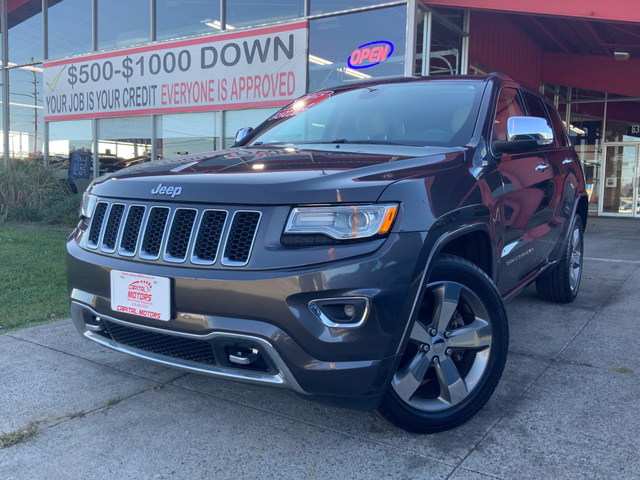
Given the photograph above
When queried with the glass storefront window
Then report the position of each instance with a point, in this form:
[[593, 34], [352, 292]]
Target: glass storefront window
[[327, 6], [123, 22], [69, 28], [623, 120], [446, 42], [333, 41], [585, 131], [187, 133], [245, 13], [25, 31], [26, 132], [123, 142], [176, 19], [237, 119], [71, 152]]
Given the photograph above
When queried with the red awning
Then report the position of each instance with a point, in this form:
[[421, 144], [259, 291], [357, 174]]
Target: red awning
[[616, 10]]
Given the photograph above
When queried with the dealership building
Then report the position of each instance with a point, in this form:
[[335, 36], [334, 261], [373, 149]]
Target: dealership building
[[97, 85]]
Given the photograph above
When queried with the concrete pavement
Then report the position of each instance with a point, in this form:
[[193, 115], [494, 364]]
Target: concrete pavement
[[566, 407]]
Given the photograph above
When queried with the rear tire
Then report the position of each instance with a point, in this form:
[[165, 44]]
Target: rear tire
[[562, 284], [456, 351]]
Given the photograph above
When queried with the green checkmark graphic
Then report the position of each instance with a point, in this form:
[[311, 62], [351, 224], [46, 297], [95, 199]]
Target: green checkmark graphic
[[53, 85]]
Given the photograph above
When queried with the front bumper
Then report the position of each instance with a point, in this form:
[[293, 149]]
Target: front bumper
[[268, 310]]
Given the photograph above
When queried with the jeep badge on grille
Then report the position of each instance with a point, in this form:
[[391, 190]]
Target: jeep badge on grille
[[162, 190]]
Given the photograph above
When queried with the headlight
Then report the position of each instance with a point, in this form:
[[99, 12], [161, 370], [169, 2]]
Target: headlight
[[341, 223], [88, 205]]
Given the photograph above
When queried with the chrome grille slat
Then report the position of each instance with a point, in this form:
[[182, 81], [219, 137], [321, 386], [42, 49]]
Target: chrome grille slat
[[96, 225], [207, 244], [240, 238], [131, 232], [154, 232], [180, 233], [198, 236], [110, 236]]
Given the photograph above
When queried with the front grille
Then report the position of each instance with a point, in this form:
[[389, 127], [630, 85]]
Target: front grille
[[111, 230], [174, 234], [129, 240], [154, 232], [241, 236], [208, 241], [96, 224], [169, 345], [180, 234]]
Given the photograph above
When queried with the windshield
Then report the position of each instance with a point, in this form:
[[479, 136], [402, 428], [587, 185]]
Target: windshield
[[440, 113]]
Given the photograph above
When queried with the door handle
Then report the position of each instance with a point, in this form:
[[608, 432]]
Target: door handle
[[567, 161], [542, 167]]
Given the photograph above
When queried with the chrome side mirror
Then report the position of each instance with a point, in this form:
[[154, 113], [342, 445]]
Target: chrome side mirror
[[243, 132], [524, 134]]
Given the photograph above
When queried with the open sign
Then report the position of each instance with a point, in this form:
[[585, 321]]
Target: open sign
[[370, 54]]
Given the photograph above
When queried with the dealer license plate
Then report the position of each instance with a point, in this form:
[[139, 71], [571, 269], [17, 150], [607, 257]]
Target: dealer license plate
[[142, 295]]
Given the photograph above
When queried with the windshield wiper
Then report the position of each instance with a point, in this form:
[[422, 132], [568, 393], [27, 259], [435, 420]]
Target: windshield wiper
[[340, 140]]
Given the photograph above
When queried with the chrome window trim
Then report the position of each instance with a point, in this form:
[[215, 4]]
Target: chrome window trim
[[120, 228], [143, 255], [230, 263], [168, 257], [125, 253], [195, 260]]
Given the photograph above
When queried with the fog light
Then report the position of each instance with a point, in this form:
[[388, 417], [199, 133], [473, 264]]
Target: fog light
[[342, 312], [349, 310]]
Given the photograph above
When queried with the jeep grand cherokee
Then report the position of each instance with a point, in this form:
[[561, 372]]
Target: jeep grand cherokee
[[356, 247]]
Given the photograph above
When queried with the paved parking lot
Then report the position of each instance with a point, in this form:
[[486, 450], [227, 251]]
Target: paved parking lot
[[567, 405]]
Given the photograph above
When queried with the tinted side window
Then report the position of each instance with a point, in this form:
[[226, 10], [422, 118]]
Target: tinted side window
[[508, 106]]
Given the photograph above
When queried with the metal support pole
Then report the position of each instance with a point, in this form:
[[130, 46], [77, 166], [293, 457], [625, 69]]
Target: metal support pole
[[94, 22], [410, 51], [223, 129], [223, 15], [45, 55], [45, 29], [154, 134], [426, 43], [464, 61], [4, 25], [96, 155], [307, 8], [153, 21]]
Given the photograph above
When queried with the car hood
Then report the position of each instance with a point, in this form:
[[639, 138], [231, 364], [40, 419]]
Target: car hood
[[277, 175]]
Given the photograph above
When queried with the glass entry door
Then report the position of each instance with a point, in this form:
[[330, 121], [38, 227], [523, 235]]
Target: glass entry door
[[619, 187]]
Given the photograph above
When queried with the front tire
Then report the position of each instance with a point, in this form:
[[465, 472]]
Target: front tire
[[456, 352], [562, 284]]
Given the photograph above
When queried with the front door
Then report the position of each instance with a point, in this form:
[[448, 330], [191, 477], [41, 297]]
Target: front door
[[619, 187]]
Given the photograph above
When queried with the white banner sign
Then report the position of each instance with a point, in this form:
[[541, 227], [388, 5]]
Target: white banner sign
[[249, 69]]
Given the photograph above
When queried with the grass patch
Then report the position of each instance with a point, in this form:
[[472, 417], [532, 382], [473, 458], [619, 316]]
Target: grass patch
[[21, 435], [33, 285], [111, 402]]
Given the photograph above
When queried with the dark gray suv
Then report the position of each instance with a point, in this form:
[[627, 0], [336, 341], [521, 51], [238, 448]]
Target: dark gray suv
[[356, 247]]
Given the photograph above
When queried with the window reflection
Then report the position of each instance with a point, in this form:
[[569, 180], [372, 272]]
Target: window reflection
[[244, 13], [123, 22], [25, 31], [69, 28], [187, 133], [333, 40], [70, 152], [176, 19], [26, 132], [237, 119], [123, 142], [327, 6]]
